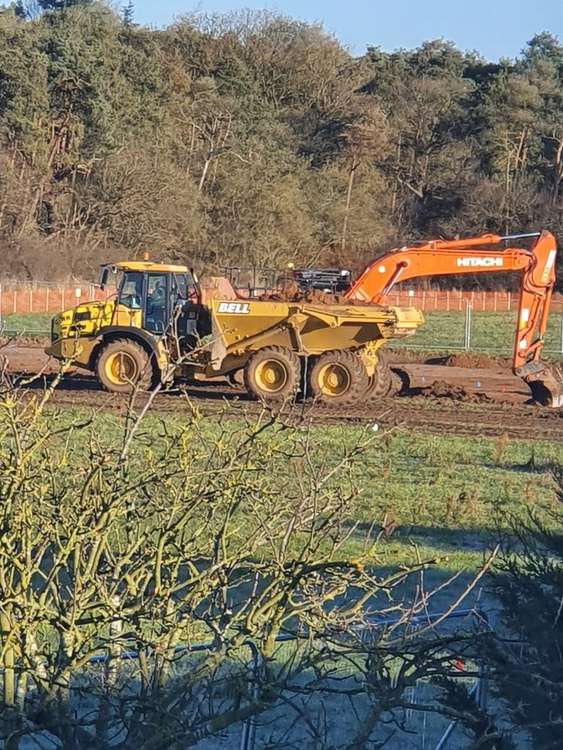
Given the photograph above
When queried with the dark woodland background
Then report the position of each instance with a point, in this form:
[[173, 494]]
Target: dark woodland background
[[256, 139]]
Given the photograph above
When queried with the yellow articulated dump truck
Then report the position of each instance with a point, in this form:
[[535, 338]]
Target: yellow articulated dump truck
[[162, 326]]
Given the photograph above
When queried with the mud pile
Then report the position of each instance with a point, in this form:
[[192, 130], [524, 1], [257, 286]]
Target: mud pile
[[443, 389], [292, 293]]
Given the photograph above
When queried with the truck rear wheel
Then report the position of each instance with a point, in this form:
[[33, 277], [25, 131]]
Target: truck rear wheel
[[124, 365], [273, 374], [380, 383], [339, 378]]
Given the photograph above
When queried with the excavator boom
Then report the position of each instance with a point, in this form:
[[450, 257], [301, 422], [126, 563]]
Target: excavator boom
[[489, 253]]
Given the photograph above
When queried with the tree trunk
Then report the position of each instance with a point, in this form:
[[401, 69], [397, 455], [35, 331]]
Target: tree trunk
[[558, 173], [9, 696], [353, 168]]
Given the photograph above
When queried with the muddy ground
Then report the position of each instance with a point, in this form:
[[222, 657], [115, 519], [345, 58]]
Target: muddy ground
[[444, 406]]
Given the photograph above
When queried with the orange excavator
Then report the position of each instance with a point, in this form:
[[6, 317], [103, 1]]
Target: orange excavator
[[489, 253]]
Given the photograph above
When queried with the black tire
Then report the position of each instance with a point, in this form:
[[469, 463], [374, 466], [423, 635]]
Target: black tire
[[400, 383], [339, 378], [236, 379], [380, 383], [123, 366], [273, 374]]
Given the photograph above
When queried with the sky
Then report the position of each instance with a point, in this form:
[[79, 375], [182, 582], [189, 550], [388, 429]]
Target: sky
[[495, 28]]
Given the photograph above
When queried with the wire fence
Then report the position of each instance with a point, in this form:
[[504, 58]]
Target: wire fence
[[43, 297], [490, 333], [453, 300], [302, 713], [455, 321], [26, 309]]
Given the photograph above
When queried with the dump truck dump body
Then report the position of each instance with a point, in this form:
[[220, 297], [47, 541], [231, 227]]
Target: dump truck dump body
[[307, 328]]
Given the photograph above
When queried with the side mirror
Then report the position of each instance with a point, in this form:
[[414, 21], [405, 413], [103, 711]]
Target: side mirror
[[104, 278]]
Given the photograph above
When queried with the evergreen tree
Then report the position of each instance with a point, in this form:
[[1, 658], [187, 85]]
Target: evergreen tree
[[528, 665], [128, 14], [61, 4]]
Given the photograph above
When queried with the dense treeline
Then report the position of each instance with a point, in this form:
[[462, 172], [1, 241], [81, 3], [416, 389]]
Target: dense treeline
[[253, 138]]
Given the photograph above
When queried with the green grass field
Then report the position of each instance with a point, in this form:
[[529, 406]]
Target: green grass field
[[492, 333], [26, 325], [444, 496]]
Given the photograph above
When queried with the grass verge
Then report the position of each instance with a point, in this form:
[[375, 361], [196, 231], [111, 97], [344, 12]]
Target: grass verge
[[434, 497]]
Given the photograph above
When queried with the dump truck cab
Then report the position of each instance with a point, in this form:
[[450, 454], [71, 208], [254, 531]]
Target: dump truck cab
[[154, 308], [149, 294]]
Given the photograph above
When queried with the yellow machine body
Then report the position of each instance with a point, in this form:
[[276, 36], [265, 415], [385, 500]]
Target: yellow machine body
[[75, 333], [241, 327], [234, 329]]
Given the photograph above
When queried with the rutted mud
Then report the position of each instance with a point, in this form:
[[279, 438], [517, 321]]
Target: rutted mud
[[450, 411], [443, 389], [418, 413]]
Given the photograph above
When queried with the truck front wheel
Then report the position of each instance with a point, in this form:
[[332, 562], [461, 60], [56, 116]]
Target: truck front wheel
[[123, 366]]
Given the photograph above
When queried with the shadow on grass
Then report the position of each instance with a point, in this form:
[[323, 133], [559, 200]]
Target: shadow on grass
[[442, 538]]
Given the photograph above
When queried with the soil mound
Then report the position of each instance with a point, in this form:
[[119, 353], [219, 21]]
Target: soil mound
[[443, 389], [292, 293]]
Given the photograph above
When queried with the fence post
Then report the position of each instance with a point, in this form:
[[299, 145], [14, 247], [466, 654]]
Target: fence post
[[248, 735], [467, 331], [483, 688]]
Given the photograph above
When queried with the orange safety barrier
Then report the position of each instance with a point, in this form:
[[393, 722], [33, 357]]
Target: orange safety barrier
[[39, 299]]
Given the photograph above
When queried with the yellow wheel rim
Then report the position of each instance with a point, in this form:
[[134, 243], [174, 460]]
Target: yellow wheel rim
[[334, 379], [121, 368], [271, 376]]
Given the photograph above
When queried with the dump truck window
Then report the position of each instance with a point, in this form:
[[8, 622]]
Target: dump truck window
[[131, 290], [156, 318], [180, 286]]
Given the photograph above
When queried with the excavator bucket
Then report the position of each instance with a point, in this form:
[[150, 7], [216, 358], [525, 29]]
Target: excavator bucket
[[547, 386]]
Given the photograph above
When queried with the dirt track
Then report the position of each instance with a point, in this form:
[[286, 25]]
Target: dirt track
[[429, 414]]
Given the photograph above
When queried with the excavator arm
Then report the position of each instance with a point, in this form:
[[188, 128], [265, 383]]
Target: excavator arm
[[489, 253]]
